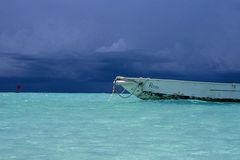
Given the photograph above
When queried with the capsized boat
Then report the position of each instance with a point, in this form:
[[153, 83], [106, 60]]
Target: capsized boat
[[153, 89]]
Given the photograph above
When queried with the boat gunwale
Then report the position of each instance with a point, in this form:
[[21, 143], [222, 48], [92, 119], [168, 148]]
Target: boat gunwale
[[182, 81]]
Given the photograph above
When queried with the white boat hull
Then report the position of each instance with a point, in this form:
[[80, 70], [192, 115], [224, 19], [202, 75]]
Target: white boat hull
[[146, 88]]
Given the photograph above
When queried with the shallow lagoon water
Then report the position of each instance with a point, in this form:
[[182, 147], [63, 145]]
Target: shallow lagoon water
[[61, 126]]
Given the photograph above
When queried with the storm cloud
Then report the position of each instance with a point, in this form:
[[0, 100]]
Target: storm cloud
[[91, 42]]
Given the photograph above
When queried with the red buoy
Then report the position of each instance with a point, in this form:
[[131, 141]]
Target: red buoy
[[18, 88]]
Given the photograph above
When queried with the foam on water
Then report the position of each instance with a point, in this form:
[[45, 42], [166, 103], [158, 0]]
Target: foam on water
[[87, 126]]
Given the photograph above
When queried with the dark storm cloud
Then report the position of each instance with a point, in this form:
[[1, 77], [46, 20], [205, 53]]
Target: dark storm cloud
[[94, 41]]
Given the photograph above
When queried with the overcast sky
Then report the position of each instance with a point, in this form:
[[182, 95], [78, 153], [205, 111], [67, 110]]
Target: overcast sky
[[81, 45]]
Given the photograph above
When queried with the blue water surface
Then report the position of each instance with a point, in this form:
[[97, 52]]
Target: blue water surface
[[48, 126]]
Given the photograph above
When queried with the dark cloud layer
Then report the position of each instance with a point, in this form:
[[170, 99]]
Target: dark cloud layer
[[80, 46]]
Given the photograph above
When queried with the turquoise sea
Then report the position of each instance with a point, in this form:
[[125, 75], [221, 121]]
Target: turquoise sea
[[50, 126]]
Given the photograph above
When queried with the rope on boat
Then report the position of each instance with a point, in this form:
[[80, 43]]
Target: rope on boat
[[128, 96], [121, 94]]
